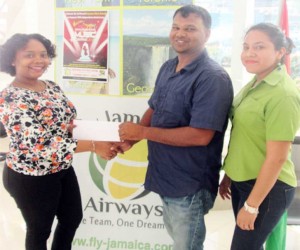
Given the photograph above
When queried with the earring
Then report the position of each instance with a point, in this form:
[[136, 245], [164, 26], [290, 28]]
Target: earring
[[279, 66]]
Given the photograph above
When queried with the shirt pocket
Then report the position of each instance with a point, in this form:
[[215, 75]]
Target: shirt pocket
[[174, 109]]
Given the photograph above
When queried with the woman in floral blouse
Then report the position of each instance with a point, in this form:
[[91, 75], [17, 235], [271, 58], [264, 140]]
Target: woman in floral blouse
[[37, 116]]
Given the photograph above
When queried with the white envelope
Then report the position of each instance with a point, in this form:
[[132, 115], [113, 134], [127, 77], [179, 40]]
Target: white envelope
[[96, 130]]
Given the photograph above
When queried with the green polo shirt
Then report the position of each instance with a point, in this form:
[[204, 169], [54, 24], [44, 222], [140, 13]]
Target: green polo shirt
[[268, 112]]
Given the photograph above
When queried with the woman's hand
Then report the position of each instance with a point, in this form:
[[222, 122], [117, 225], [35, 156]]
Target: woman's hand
[[245, 220], [224, 188], [105, 150], [123, 146]]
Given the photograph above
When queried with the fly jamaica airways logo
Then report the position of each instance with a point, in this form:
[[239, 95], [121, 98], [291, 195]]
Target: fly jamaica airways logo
[[123, 177]]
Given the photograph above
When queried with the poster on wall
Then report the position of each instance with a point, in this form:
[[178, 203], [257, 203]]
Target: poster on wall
[[85, 49], [82, 86], [85, 3], [145, 48], [156, 2]]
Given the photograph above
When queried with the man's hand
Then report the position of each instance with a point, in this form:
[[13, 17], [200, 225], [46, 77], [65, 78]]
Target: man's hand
[[131, 131], [224, 188]]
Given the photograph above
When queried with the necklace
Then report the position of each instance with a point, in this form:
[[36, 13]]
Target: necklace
[[38, 87]]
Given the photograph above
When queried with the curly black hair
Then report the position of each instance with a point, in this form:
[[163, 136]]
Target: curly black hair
[[9, 49]]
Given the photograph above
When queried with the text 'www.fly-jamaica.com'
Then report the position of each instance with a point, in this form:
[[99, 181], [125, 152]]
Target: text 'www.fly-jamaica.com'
[[109, 244]]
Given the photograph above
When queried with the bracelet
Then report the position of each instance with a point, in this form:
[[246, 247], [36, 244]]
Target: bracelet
[[251, 210], [93, 146]]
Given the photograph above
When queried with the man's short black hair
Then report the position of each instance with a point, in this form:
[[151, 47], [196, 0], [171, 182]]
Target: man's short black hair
[[186, 10]]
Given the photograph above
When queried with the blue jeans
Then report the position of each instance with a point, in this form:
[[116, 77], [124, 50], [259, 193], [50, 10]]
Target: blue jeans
[[270, 211], [184, 219], [40, 199]]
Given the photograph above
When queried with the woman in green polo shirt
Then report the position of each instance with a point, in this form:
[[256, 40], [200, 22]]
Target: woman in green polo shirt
[[260, 176]]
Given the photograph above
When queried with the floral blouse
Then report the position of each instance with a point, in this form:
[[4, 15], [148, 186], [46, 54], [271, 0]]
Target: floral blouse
[[36, 123]]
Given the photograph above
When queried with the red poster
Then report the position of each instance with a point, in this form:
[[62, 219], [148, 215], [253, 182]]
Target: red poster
[[85, 45]]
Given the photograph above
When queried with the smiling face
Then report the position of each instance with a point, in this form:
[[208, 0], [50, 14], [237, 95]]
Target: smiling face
[[188, 34], [259, 55], [31, 61]]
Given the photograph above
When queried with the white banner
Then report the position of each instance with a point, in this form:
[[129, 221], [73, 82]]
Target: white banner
[[118, 212]]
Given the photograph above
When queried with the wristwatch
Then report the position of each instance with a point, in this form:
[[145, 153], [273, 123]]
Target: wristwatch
[[251, 210]]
